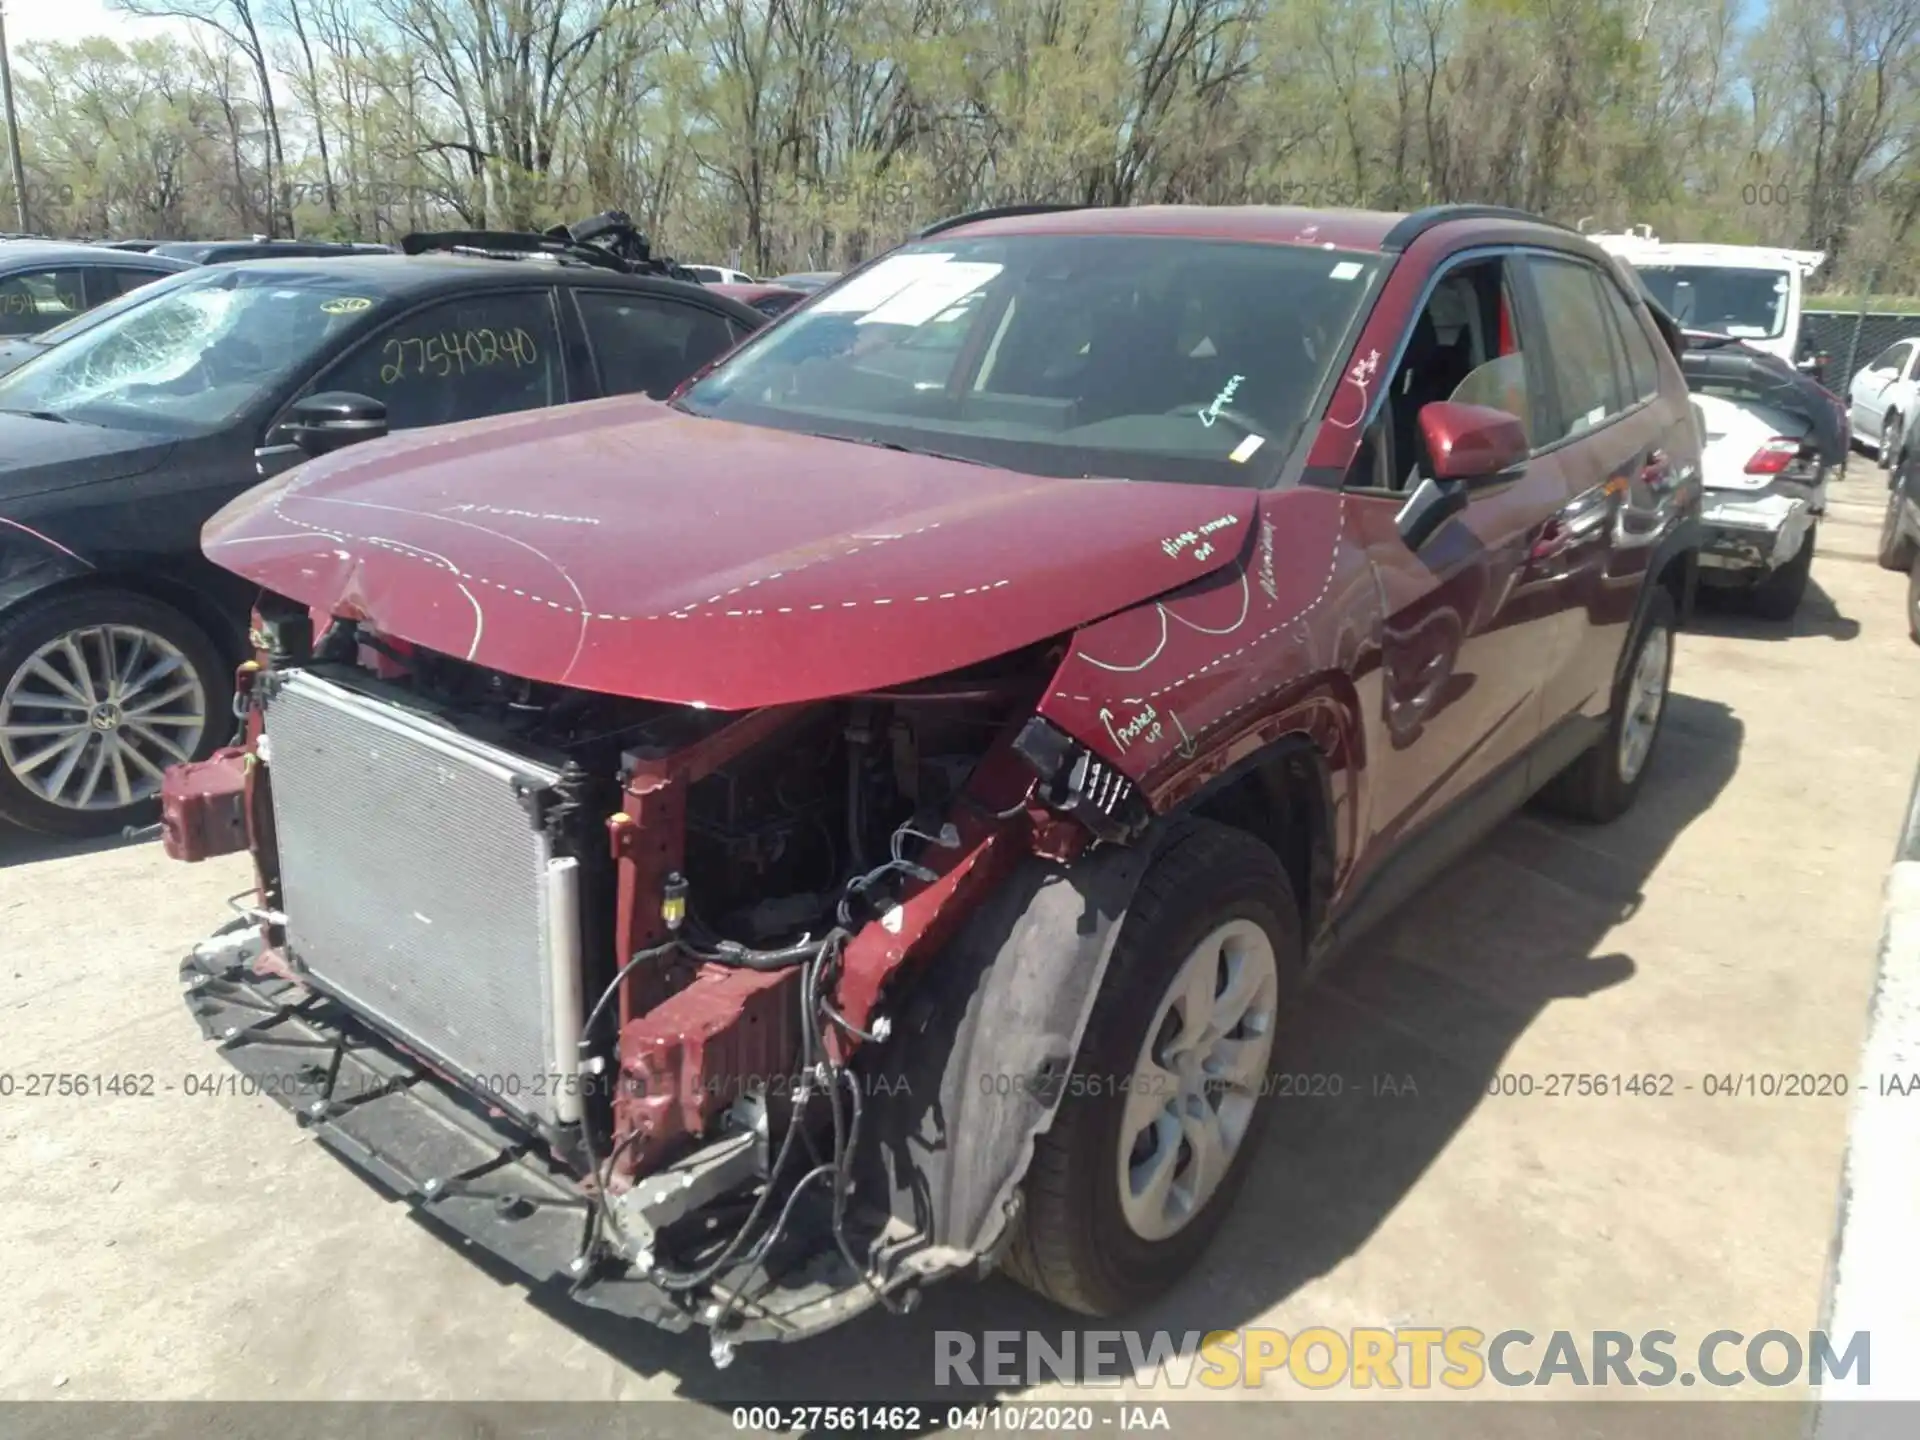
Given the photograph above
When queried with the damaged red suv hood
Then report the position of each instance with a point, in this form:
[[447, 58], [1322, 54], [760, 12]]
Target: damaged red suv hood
[[623, 547]]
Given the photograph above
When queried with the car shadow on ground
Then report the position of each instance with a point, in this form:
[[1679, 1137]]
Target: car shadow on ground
[[26, 847], [1725, 613], [1410, 1028]]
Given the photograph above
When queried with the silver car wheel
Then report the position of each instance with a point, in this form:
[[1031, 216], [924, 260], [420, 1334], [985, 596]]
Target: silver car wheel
[[1198, 1078], [1646, 698], [94, 717]]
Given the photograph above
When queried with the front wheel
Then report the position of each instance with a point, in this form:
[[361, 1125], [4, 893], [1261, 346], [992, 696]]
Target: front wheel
[[99, 693], [1168, 1093]]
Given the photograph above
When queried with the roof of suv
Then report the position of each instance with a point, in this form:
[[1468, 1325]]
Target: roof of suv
[[47, 252], [209, 251], [1376, 230]]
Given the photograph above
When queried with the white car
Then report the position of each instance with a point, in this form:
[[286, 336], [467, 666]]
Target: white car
[[1765, 491], [720, 275], [1761, 465], [1882, 399]]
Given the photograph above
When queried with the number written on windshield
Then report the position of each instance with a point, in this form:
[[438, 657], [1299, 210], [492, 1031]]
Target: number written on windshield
[[455, 352]]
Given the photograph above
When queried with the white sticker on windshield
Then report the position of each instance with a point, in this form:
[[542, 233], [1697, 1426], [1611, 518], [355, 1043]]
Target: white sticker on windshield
[[1243, 452], [931, 293], [878, 285], [1346, 270]]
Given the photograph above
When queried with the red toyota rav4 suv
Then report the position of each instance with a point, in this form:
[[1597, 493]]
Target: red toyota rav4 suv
[[866, 818]]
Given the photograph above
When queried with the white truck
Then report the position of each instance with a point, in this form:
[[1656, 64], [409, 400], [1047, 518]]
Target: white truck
[[1771, 437]]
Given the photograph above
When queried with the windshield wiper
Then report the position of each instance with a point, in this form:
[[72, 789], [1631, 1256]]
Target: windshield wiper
[[902, 449], [39, 415]]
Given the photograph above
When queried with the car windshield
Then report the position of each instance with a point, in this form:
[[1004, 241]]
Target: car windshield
[[193, 354], [1744, 302], [1119, 356]]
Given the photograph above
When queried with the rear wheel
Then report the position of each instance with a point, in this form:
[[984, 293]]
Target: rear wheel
[[1778, 596], [99, 693], [1603, 783], [1168, 1093]]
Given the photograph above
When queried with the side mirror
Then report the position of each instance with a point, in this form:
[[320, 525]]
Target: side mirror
[[1468, 444], [323, 423], [1472, 442]]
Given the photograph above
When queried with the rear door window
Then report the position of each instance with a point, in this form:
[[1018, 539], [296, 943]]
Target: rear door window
[[36, 300], [482, 354], [1581, 345], [104, 284], [647, 344], [1643, 368]]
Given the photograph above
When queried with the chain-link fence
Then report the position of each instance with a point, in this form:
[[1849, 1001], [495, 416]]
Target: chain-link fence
[[1851, 339]]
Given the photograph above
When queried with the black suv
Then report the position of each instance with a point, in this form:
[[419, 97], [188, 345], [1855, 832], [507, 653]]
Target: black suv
[[118, 640]]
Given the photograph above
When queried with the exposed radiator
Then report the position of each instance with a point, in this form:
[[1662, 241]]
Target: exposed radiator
[[418, 890]]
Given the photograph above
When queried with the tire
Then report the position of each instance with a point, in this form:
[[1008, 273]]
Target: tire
[[1896, 550], [1913, 601], [1778, 595], [1075, 1243], [109, 631], [1602, 784], [1889, 440]]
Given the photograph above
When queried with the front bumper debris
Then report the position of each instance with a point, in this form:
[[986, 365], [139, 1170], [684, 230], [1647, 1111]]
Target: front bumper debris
[[432, 1145], [1756, 530]]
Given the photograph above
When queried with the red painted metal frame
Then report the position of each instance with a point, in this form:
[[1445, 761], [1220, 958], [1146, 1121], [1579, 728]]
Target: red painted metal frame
[[687, 1052]]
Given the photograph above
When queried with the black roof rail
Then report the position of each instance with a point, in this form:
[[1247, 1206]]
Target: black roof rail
[[608, 240], [997, 212], [1410, 228], [505, 245]]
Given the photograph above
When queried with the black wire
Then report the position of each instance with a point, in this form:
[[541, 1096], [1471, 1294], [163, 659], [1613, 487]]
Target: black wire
[[759, 960], [688, 1280], [766, 1242], [843, 1184], [600, 1005]]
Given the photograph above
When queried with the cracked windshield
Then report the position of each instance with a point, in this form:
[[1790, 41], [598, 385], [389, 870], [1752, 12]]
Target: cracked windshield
[[191, 359]]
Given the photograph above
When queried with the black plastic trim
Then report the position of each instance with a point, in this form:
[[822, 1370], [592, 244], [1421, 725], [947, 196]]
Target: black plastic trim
[[1411, 227], [997, 212]]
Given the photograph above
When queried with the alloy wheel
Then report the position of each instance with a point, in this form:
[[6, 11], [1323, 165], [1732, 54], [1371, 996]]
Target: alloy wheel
[[1646, 697], [1198, 1079], [93, 717]]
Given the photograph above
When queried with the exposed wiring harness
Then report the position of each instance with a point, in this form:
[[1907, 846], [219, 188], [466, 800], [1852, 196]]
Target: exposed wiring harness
[[820, 1074]]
